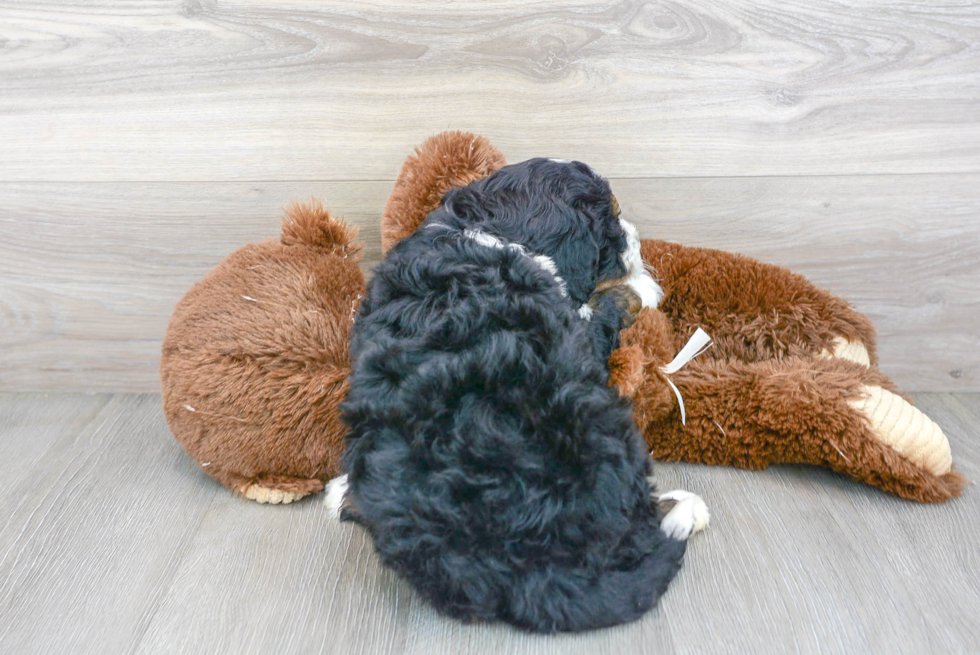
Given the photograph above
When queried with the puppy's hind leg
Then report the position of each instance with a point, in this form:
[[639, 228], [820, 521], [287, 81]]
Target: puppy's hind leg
[[336, 492], [684, 513]]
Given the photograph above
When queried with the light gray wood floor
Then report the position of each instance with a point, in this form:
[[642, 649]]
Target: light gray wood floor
[[114, 542]]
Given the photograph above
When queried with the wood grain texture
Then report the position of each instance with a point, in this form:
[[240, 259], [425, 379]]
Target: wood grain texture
[[198, 90], [30, 427], [95, 527], [120, 545], [89, 273], [303, 584], [140, 142]]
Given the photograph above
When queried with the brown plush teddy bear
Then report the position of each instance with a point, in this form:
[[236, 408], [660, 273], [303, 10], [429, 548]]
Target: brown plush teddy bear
[[255, 358]]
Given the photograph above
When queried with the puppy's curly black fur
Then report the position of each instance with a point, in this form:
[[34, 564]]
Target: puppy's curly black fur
[[488, 457]]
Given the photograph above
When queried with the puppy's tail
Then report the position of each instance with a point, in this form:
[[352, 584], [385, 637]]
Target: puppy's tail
[[310, 224]]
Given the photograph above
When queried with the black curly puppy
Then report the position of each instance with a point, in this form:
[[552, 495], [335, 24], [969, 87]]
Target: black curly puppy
[[488, 456]]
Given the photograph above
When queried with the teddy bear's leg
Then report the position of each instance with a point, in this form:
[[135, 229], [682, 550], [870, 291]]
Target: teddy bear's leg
[[898, 423], [443, 162], [853, 351], [755, 311], [684, 513], [828, 412], [281, 490]]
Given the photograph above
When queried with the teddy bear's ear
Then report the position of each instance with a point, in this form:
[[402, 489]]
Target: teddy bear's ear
[[443, 162], [310, 224]]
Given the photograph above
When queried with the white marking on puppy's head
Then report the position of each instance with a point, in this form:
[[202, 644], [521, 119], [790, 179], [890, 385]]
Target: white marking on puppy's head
[[585, 312], [637, 276], [544, 262], [483, 238], [548, 264]]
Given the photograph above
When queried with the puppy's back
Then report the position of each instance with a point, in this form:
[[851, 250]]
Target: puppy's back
[[492, 463]]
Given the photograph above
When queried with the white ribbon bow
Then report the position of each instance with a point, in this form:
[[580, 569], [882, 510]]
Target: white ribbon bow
[[696, 345]]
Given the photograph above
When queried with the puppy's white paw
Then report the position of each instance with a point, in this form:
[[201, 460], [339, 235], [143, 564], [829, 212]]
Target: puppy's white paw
[[688, 515], [334, 496]]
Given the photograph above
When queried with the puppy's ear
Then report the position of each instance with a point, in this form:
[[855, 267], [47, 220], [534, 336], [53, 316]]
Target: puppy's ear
[[465, 202], [577, 257]]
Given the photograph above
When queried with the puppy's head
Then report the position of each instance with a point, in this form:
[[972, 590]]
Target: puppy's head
[[565, 211]]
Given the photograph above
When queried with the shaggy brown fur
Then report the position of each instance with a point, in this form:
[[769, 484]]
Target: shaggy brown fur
[[763, 393], [749, 412], [753, 311], [442, 162], [255, 359]]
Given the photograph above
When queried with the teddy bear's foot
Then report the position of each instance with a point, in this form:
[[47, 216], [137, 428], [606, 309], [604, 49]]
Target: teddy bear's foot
[[266, 495], [905, 428], [277, 489], [853, 351], [685, 513]]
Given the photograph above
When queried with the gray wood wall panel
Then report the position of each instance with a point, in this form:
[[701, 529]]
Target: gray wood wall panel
[[116, 543], [905, 250], [201, 90], [91, 272]]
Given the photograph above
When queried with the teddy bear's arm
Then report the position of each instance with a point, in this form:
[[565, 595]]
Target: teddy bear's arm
[[754, 311]]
